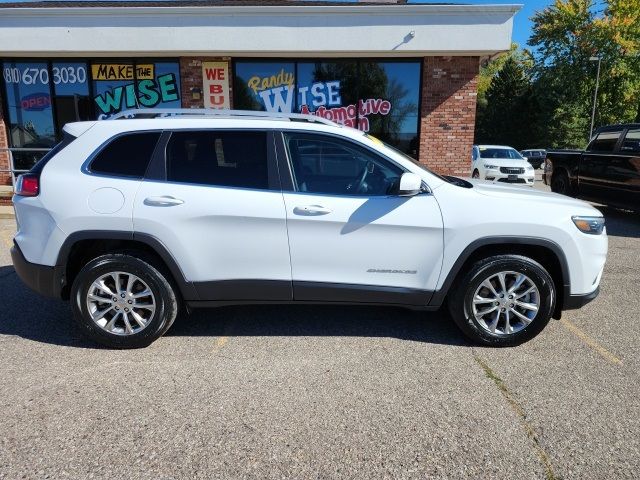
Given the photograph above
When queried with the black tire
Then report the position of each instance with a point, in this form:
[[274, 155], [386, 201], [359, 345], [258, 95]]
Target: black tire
[[475, 174], [460, 301], [164, 294], [560, 183]]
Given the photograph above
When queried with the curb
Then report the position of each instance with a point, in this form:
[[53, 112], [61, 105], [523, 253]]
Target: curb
[[7, 213]]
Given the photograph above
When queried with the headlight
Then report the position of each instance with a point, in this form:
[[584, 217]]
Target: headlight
[[529, 167], [591, 225], [490, 167]]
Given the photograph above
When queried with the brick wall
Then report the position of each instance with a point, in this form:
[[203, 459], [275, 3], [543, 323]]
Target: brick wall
[[449, 91], [191, 78], [5, 178]]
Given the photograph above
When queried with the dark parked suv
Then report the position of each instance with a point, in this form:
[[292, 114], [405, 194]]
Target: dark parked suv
[[535, 156]]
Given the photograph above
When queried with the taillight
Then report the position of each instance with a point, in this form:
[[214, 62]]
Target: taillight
[[28, 185]]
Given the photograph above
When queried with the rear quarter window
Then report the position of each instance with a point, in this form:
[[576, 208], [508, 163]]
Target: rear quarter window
[[126, 155]]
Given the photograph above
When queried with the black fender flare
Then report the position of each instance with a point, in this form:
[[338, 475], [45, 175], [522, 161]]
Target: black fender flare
[[438, 297], [186, 287]]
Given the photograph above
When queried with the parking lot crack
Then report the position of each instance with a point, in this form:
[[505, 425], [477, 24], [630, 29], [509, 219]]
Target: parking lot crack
[[522, 416]]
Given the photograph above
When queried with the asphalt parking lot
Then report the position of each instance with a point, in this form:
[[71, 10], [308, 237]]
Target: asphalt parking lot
[[324, 392]]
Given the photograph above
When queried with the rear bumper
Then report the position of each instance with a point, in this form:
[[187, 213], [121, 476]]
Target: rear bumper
[[573, 302], [43, 279]]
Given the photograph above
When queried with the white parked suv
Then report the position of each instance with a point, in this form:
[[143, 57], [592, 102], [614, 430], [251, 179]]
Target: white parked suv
[[130, 219], [498, 163]]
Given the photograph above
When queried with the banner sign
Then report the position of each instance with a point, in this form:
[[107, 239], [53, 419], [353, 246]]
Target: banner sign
[[215, 83], [109, 71], [323, 99], [148, 94]]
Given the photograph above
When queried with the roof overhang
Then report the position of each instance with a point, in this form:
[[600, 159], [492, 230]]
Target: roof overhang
[[264, 31]]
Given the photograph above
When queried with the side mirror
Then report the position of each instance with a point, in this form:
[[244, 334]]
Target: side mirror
[[410, 184]]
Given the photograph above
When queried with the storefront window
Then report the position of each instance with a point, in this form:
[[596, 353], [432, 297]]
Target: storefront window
[[70, 78], [265, 86], [377, 97], [29, 104], [71, 99], [389, 96], [329, 89], [124, 85]]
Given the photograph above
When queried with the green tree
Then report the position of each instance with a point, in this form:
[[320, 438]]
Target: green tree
[[566, 35], [505, 118], [490, 69]]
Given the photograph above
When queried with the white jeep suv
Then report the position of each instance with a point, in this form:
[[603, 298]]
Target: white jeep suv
[[498, 163], [132, 218]]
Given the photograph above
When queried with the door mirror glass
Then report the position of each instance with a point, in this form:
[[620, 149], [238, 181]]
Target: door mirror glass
[[410, 184]]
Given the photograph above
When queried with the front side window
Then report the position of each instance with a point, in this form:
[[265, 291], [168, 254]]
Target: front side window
[[322, 164], [221, 158], [604, 142], [632, 141], [126, 156]]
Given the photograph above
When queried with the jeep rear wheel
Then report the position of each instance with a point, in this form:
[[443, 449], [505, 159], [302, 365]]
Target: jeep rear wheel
[[503, 300], [122, 301]]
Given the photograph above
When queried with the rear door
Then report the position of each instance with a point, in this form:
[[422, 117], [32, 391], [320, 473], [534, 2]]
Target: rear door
[[216, 204], [596, 180], [350, 238]]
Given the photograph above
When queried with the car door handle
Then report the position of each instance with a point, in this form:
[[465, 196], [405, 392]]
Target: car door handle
[[311, 210], [163, 201]]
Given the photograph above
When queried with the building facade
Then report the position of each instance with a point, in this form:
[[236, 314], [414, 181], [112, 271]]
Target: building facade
[[405, 73]]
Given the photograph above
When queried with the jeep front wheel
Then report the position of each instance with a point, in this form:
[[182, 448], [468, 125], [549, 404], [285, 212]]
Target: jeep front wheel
[[503, 300]]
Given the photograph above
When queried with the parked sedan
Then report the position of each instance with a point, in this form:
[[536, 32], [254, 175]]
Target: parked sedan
[[536, 156], [499, 163]]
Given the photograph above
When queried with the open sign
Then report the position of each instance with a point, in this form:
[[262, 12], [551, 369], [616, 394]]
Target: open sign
[[35, 102]]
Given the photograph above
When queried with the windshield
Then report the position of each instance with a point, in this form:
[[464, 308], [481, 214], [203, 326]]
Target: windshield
[[486, 152]]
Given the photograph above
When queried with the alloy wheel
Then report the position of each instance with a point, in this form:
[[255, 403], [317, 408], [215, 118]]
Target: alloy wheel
[[120, 303], [506, 302]]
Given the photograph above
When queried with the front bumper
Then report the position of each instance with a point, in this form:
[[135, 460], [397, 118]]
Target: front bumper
[[519, 179], [43, 279], [573, 302]]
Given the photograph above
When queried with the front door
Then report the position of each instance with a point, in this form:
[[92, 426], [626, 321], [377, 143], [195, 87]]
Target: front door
[[626, 169], [219, 211], [595, 181], [350, 238]]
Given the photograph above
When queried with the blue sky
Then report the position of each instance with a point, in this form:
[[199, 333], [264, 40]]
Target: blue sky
[[522, 23]]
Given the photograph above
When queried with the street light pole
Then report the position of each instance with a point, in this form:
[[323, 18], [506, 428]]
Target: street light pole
[[595, 94]]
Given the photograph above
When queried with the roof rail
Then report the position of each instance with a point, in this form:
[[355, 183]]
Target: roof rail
[[209, 112]]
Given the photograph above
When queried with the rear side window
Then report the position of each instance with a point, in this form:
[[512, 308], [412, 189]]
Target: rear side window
[[604, 142], [127, 155], [221, 158]]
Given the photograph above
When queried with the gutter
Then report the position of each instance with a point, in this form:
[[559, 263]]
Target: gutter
[[399, 10]]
